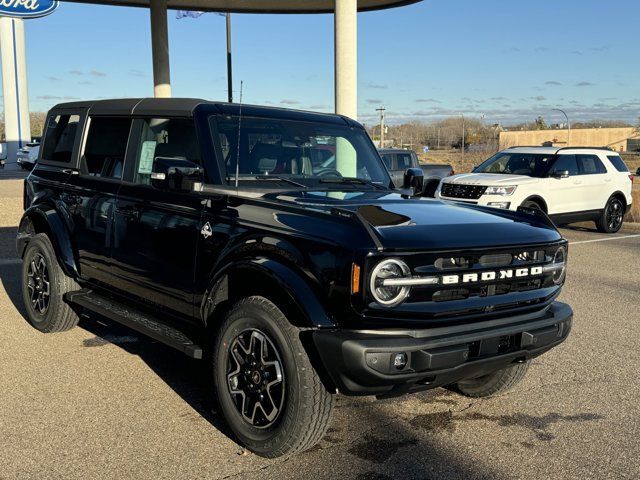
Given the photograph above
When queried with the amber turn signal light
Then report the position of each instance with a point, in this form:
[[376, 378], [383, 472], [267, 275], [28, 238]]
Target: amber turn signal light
[[355, 278]]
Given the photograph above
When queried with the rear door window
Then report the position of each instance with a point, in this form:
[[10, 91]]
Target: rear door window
[[106, 147], [618, 163], [60, 138], [590, 165]]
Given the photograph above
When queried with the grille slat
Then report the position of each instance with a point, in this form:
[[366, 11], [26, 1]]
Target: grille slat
[[458, 190]]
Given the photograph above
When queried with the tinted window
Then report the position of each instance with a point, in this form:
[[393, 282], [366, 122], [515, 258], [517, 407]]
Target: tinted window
[[60, 138], [590, 164], [306, 152], [403, 160], [106, 147], [617, 162], [566, 162], [517, 163], [169, 138], [387, 158]]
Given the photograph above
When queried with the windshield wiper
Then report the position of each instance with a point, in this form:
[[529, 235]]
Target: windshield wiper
[[352, 181], [271, 177]]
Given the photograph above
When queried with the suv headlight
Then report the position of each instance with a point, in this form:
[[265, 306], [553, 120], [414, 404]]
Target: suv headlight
[[500, 190], [389, 295]]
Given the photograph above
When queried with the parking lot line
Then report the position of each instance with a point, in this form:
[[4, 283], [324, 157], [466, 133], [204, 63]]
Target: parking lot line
[[603, 239]]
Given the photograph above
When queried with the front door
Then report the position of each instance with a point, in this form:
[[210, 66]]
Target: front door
[[565, 194], [156, 229]]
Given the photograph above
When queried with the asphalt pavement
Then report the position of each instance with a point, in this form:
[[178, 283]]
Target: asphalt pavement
[[103, 402]]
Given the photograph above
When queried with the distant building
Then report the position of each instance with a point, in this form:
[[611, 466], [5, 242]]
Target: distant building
[[625, 139]]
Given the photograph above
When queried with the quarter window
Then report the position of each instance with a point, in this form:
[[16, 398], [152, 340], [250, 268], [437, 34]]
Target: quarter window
[[388, 160], [106, 146], [166, 138], [590, 165], [617, 162], [60, 138]]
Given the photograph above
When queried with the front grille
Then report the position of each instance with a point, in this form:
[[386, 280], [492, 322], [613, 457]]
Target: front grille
[[457, 190]]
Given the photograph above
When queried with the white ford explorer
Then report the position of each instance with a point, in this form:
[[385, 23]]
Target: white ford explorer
[[571, 184]]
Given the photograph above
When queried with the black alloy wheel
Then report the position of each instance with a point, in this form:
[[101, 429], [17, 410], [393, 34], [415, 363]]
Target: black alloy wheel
[[255, 378], [38, 284]]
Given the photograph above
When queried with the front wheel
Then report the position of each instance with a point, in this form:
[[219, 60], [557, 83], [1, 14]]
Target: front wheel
[[493, 383], [612, 216], [267, 389]]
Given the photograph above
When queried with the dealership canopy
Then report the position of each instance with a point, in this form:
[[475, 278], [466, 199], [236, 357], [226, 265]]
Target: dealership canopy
[[345, 15]]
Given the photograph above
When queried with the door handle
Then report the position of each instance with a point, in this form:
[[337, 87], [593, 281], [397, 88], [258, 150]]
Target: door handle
[[607, 180], [577, 182], [70, 171], [129, 212]]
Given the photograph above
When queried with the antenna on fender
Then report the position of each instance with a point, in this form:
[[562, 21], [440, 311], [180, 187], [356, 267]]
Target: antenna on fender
[[238, 146]]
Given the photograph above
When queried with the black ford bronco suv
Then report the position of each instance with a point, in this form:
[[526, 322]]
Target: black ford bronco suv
[[272, 245]]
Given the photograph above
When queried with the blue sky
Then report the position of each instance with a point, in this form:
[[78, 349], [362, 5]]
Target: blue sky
[[506, 60]]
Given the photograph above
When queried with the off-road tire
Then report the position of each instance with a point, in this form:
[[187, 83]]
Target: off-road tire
[[59, 316], [604, 223], [305, 414], [496, 382]]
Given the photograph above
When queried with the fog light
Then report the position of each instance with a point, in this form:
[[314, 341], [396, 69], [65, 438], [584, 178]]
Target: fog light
[[400, 360], [504, 205]]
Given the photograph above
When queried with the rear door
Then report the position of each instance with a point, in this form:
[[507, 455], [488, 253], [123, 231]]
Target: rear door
[[596, 184], [156, 230], [91, 194]]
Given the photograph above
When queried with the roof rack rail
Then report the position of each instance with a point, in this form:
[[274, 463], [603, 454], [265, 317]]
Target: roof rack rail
[[526, 146], [609, 149]]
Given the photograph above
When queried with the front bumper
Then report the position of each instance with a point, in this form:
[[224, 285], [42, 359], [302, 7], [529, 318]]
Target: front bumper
[[361, 362]]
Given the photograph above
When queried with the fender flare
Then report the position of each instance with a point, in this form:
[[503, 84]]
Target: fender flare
[[37, 219], [290, 284]]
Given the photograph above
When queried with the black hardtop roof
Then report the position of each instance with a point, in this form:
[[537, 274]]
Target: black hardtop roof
[[184, 107]]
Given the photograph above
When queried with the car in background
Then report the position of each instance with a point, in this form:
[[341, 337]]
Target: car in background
[[399, 160], [570, 184], [28, 155]]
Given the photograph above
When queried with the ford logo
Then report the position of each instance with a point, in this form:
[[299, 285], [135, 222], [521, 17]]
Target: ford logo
[[27, 8]]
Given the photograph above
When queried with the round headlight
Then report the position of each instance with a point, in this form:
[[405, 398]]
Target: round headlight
[[389, 295], [560, 261]]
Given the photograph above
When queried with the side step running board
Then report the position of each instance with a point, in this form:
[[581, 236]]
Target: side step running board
[[136, 320]]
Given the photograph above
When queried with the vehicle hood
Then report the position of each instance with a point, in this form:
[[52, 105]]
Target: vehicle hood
[[490, 179], [427, 224]]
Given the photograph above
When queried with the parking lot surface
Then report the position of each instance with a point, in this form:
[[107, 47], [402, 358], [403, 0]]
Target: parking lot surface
[[103, 402]]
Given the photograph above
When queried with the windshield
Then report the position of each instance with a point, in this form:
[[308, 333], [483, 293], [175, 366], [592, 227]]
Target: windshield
[[515, 163], [305, 153]]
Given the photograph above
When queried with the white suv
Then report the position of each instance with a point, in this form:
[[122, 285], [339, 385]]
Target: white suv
[[571, 184]]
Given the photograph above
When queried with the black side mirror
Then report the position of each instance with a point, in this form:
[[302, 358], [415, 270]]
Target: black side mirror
[[560, 174], [638, 172], [175, 174], [413, 182]]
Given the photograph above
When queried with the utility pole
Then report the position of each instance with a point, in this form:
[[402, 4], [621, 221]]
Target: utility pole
[[438, 138], [381, 110]]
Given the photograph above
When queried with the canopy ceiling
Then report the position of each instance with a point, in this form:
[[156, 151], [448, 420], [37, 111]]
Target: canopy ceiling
[[256, 6]]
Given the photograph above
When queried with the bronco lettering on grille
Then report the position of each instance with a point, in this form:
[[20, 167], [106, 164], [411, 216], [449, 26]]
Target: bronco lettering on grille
[[491, 275]]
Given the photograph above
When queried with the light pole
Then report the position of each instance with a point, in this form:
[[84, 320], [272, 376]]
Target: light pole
[[568, 124], [381, 110]]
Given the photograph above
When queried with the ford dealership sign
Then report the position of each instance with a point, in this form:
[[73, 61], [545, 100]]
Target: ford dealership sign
[[27, 8]]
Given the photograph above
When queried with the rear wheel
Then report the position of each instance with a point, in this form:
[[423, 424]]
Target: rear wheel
[[267, 389], [612, 216], [493, 383], [44, 284]]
